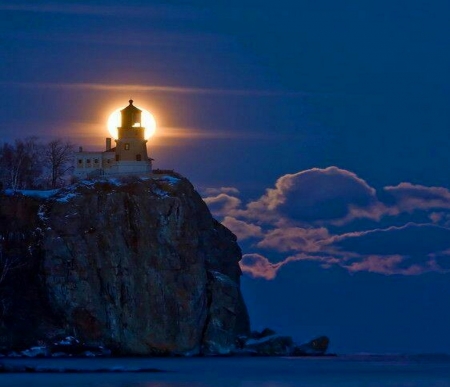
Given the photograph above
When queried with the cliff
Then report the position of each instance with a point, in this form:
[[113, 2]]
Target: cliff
[[138, 265]]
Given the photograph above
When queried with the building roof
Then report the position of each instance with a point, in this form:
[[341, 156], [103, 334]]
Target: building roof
[[130, 115], [131, 108]]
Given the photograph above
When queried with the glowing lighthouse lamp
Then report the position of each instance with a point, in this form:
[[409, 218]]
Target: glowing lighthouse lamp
[[147, 121]]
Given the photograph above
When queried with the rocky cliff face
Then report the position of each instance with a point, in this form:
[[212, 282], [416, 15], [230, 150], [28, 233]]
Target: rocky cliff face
[[139, 266]]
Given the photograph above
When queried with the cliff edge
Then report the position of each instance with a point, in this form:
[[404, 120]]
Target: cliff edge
[[137, 265]]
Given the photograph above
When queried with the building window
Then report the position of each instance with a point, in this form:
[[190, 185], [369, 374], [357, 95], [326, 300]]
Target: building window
[[80, 161], [127, 146], [108, 161], [88, 160], [117, 157], [138, 157], [96, 161]]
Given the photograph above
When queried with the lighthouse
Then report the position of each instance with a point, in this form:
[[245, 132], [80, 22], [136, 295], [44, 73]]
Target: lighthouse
[[131, 146], [128, 157]]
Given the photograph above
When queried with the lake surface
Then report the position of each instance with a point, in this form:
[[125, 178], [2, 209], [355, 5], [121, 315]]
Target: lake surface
[[345, 371]]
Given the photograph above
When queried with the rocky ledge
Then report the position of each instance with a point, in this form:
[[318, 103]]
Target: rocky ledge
[[138, 266]]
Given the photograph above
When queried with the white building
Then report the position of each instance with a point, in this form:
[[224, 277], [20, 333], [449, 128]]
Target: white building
[[128, 157]]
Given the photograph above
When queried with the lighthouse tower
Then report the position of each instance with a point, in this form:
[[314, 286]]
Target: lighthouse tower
[[131, 146]]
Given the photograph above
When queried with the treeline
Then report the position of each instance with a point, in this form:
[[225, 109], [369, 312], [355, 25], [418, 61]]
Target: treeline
[[33, 164]]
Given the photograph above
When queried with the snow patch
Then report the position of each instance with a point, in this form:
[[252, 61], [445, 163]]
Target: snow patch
[[41, 213], [69, 340], [42, 194], [35, 351], [222, 278], [170, 179], [160, 193], [66, 198], [115, 181]]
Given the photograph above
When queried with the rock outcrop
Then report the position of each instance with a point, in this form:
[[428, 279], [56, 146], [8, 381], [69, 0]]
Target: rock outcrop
[[316, 347], [139, 266], [268, 343]]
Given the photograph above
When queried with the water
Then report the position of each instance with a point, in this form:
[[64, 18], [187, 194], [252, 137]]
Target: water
[[345, 371]]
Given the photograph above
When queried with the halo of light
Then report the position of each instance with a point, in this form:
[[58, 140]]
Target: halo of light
[[147, 121]]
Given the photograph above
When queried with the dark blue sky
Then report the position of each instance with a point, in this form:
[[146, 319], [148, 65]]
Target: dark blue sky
[[245, 94]]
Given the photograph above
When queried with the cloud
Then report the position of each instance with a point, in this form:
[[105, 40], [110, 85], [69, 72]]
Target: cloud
[[158, 12], [408, 197], [241, 229], [216, 191], [336, 196], [222, 204], [295, 239], [258, 266], [157, 39], [106, 87], [436, 217], [319, 215], [408, 250], [409, 239], [170, 132], [392, 264], [315, 195]]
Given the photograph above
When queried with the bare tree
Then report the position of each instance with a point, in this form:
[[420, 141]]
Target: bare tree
[[21, 163], [33, 168], [8, 263], [58, 158]]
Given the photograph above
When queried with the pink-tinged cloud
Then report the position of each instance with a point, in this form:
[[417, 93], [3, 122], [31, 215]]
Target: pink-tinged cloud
[[218, 190], [258, 266], [295, 239], [442, 259], [304, 213], [241, 229], [336, 196], [314, 195], [392, 264], [376, 264], [412, 249], [410, 239], [410, 197], [436, 217], [375, 211], [222, 204]]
